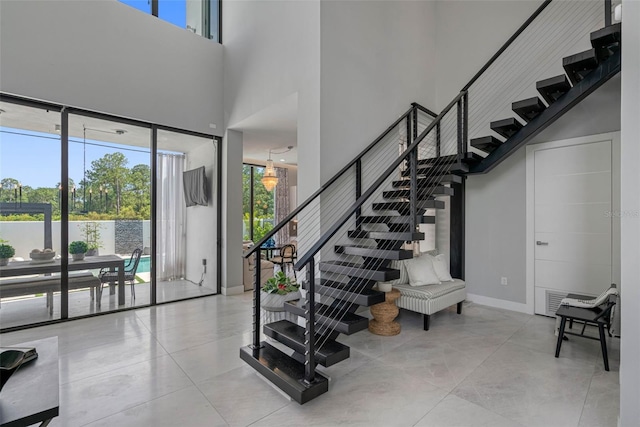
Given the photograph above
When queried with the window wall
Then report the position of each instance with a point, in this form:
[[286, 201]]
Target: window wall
[[104, 197], [30, 199], [258, 204], [109, 166], [187, 236], [201, 17]]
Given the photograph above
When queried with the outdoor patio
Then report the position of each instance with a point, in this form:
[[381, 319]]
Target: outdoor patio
[[23, 311]]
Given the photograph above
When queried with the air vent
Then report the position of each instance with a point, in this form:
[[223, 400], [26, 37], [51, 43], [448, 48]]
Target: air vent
[[553, 299]]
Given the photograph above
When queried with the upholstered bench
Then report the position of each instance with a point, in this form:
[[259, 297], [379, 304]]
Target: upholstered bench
[[429, 298], [47, 284]]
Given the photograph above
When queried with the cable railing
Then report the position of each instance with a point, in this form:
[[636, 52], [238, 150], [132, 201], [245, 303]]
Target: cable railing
[[404, 165]]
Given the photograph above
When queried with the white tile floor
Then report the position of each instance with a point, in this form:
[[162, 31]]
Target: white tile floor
[[19, 312], [178, 364]]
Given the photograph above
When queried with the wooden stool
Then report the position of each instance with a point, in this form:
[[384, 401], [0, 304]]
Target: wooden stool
[[383, 322]]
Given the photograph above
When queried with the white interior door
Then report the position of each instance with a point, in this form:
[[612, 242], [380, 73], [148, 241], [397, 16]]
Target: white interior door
[[572, 222]]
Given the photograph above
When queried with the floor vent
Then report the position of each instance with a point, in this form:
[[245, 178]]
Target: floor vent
[[553, 299]]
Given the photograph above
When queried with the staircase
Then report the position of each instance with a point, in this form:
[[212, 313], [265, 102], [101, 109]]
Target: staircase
[[370, 231]]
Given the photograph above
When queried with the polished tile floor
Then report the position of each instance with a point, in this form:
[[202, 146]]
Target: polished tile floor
[[18, 312], [178, 365]]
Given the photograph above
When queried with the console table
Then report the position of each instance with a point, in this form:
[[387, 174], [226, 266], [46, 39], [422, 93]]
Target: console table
[[32, 393]]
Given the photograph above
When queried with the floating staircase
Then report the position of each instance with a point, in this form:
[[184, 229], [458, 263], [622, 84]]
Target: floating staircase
[[585, 72], [365, 252]]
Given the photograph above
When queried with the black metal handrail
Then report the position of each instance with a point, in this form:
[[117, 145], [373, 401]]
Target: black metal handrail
[[337, 176], [308, 256]]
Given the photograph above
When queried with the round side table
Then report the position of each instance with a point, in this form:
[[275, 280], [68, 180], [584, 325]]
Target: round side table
[[383, 322]]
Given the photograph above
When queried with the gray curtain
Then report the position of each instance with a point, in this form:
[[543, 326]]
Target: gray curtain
[[282, 205]]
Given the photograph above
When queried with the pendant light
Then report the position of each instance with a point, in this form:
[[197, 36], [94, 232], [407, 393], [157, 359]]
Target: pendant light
[[269, 179]]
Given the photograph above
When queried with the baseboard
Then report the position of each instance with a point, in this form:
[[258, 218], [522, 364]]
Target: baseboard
[[236, 290], [499, 303]]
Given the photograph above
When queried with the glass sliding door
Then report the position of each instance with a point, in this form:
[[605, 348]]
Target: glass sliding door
[[30, 191], [258, 204], [187, 216], [110, 210]]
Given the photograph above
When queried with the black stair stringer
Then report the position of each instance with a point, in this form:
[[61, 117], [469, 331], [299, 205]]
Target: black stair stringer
[[592, 81]]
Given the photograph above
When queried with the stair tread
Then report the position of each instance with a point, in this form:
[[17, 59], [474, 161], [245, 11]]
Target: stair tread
[[292, 335], [421, 204], [385, 235], [357, 293], [284, 371], [486, 143], [529, 108], [356, 265], [444, 178], [374, 252], [607, 36], [506, 127], [553, 88], [422, 191], [330, 318], [397, 219], [577, 66]]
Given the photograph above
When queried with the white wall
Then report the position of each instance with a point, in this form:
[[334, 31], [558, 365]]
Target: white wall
[[271, 50], [495, 231], [105, 56], [201, 221], [25, 236], [468, 34], [630, 223], [376, 58], [232, 213]]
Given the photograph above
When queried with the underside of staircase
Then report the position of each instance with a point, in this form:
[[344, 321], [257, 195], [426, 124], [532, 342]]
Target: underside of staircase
[[400, 206]]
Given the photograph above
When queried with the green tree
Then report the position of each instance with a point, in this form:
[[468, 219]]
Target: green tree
[[263, 202], [111, 173], [8, 185], [138, 190]]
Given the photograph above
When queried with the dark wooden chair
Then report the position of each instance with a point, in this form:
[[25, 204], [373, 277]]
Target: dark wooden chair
[[287, 256], [130, 267], [599, 316]]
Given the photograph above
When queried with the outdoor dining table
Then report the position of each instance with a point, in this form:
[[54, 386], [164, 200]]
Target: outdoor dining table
[[23, 268]]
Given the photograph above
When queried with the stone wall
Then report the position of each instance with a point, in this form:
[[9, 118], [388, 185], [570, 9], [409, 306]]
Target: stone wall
[[129, 235]]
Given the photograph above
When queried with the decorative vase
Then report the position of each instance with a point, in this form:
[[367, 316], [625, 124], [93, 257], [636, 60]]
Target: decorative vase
[[78, 257], [275, 302], [92, 252], [4, 261]]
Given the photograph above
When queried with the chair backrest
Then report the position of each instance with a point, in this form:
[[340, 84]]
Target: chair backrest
[[288, 251], [132, 265]]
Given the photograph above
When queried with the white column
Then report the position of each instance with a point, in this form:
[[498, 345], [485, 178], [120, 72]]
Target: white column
[[232, 213], [630, 221]]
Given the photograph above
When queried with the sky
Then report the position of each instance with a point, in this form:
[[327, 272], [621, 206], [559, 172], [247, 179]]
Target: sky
[[33, 158], [174, 11]]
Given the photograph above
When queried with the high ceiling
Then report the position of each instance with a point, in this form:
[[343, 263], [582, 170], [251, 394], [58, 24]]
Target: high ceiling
[[21, 117], [275, 128]]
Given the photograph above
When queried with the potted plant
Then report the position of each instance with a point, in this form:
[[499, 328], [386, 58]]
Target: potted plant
[[91, 232], [77, 249], [277, 290], [6, 252]]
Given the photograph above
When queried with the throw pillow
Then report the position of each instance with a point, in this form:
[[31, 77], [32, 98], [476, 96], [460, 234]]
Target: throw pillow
[[421, 272], [441, 267]]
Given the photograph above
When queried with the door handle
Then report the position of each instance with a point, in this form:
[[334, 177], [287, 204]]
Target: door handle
[[539, 243]]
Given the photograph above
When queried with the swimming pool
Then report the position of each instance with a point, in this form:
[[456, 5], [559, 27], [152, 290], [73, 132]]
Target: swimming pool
[[144, 266]]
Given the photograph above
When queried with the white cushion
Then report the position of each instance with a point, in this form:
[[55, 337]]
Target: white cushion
[[431, 291], [421, 272], [441, 267]]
